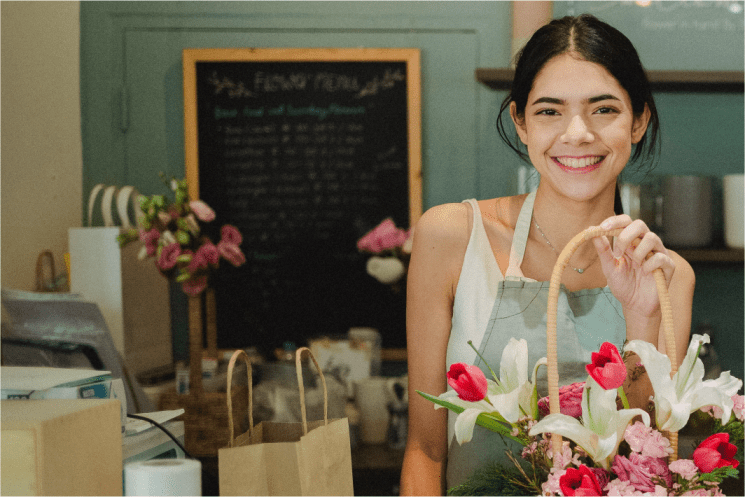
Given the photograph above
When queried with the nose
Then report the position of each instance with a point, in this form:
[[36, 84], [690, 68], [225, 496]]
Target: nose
[[577, 131]]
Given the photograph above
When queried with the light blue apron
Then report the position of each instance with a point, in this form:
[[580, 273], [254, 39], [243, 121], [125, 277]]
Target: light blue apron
[[586, 319]]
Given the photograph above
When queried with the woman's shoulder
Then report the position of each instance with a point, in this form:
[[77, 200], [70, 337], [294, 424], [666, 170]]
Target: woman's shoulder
[[445, 223], [683, 271]]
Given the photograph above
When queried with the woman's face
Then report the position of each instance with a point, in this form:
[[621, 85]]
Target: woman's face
[[578, 127]]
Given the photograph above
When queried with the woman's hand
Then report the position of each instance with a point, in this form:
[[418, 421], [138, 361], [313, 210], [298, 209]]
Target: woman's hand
[[628, 266]]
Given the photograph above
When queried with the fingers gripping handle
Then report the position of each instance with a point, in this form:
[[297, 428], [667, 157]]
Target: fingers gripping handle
[[552, 312]]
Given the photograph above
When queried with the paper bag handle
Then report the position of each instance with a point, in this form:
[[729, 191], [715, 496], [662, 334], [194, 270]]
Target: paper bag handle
[[552, 310], [231, 365], [299, 371]]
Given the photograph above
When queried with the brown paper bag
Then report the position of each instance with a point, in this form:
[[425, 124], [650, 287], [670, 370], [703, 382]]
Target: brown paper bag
[[308, 458]]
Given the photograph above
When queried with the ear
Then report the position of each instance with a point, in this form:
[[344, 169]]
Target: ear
[[639, 126], [519, 124]]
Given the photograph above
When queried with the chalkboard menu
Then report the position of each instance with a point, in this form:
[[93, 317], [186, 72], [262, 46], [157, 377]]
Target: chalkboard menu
[[304, 150]]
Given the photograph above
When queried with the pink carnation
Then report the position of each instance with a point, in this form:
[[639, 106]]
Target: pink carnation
[[206, 255], [620, 487], [739, 408], [639, 470], [203, 211], [552, 486], [570, 401], [169, 256], [150, 239], [685, 468], [704, 492], [385, 236], [647, 441]]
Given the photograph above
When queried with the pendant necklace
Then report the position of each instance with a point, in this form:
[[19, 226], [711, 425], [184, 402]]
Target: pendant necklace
[[579, 270]]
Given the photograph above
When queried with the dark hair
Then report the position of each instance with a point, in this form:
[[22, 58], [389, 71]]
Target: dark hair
[[595, 41]]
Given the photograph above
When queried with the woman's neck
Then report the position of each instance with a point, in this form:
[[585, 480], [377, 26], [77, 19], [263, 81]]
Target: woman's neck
[[560, 218]]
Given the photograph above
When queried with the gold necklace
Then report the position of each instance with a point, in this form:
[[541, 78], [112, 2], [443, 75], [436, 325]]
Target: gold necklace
[[579, 270]]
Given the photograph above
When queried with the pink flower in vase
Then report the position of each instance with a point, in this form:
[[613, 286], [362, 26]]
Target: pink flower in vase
[[150, 239], [205, 256], [203, 211], [231, 252], [230, 234], [169, 256], [194, 286], [385, 236]]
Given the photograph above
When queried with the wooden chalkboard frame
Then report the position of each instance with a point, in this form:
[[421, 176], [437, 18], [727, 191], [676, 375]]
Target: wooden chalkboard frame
[[411, 56]]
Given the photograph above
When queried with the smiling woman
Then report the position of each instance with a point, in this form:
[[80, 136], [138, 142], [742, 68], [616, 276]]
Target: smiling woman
[[582, 110]]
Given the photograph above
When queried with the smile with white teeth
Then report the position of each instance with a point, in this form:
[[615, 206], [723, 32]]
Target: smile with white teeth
[[579, 162]]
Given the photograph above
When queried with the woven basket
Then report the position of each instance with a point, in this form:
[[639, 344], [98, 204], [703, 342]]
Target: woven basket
[[205, 413], [553, 302]]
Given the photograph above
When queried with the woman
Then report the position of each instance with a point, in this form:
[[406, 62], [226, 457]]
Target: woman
[[479, 270]]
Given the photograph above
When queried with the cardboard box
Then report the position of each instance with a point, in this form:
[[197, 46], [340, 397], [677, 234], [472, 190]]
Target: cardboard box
[[61, 447]]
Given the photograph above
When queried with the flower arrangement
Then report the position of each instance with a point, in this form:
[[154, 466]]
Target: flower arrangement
[[172, 233], [606, 450], [390, 247]]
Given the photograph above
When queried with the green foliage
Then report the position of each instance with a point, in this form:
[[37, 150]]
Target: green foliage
[[494, 480], [719, 474]]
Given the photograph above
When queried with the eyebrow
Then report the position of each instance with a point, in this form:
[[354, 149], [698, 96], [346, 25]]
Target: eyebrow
[[591, 100]]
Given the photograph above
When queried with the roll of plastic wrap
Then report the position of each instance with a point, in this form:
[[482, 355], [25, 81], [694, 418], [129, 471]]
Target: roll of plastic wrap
[[163, 477]]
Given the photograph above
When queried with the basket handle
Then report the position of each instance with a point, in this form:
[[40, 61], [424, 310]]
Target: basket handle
[[552, 311], [299, 371], [240, 354]]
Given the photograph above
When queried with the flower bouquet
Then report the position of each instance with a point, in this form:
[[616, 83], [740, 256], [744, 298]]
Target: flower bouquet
[[609, 451], [172, 232], [390, 247]]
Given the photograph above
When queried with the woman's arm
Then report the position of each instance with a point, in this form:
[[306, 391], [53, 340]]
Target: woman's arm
[[439, 246]]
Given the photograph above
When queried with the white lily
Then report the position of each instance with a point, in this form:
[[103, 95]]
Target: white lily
[[677, 397], [601, 430], [507, 398]]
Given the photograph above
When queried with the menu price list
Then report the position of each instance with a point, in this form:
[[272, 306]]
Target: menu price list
[[303, 175]]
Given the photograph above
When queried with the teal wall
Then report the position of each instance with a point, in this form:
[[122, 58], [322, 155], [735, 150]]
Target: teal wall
[[132, 114]]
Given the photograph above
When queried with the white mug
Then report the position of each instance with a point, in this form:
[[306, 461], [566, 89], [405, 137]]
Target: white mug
[[371, 397], [732, 191]]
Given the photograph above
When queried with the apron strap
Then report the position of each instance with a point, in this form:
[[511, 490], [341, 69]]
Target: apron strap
[[520, 238]]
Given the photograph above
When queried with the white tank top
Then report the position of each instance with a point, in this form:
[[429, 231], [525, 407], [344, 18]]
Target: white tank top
[[475, 294]]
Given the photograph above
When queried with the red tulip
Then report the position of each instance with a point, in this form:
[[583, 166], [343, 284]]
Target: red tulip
[[580, 481], [468, 381], [607, 367], [715, 452]]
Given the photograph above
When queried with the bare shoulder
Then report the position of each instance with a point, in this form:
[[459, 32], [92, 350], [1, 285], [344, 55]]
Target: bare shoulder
[[684, 277], [446, 225]]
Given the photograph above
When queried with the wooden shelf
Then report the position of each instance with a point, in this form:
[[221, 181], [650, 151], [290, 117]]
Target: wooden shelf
[[694, 81], [712, 255]]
